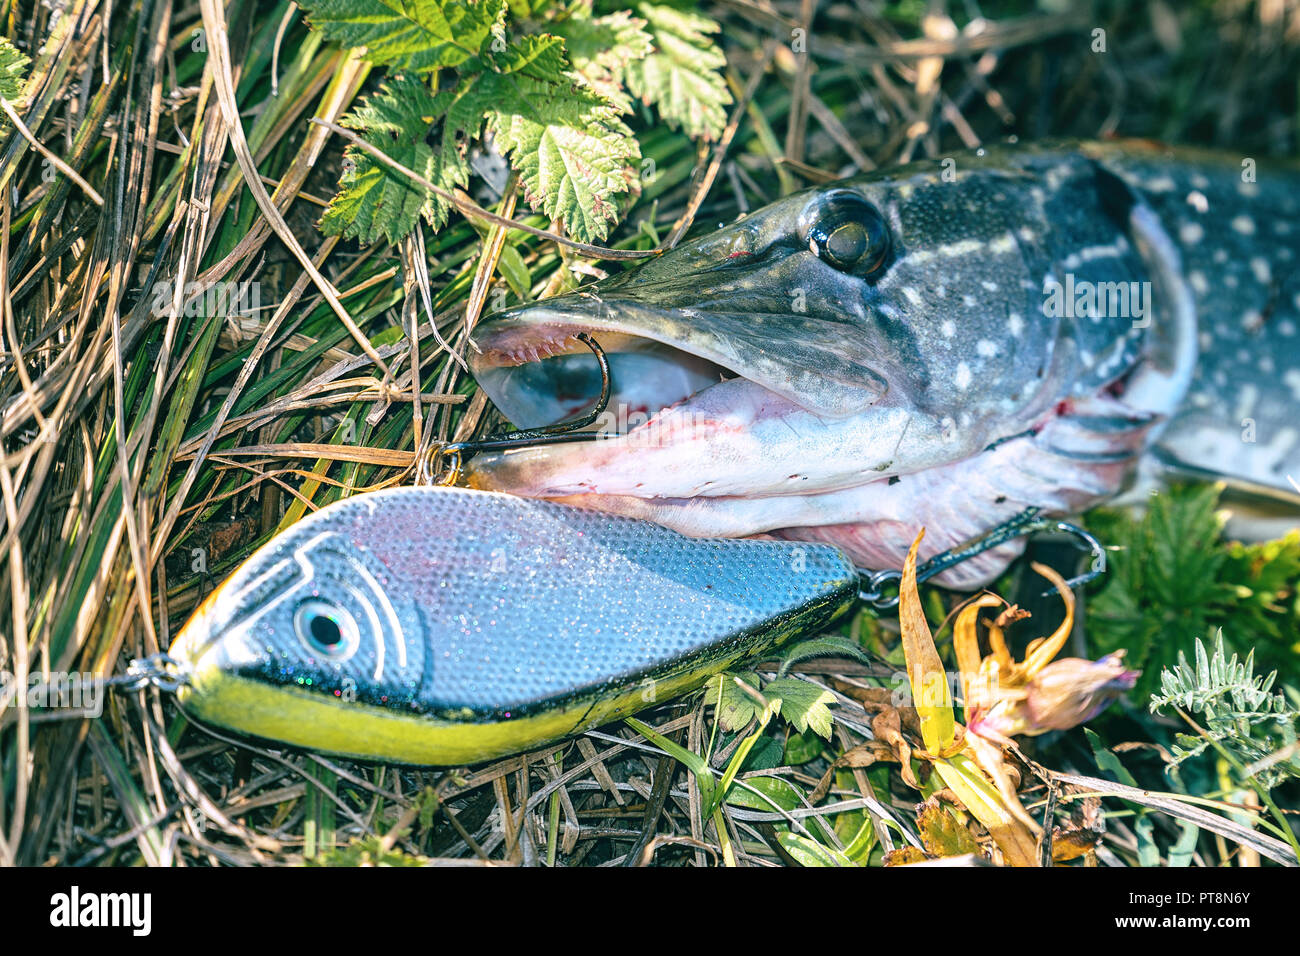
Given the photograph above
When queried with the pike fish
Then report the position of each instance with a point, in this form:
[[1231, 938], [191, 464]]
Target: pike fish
[[939, 345]]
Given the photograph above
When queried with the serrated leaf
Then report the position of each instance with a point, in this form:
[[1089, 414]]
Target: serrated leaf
[[601, 49], [803, 704], [682, 78], [421, 35], [573, 155], [376, 202], [13, 62]]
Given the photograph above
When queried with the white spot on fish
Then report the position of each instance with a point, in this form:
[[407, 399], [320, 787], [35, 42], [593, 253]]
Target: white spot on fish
[[1198, 202], [1026, 234], [1247, 189], [1259, 266], [1197, 278], [963, 377], [1191, 233], [1015, 324], [989, 286], [1251, 320], [1231, 281], [1247, 398], [963, 248], [1282, 228], [985, 348], [913, 296], [1220, 256], [1199, 181], [1205, 339], [1002, 244], [1292, 381], [1161, 184], [1243, 224], [968, 301], [948, 328], [1286, 326], [1267, 365]]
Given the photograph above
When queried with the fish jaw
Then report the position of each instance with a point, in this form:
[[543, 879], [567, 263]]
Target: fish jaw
[[734, 438]]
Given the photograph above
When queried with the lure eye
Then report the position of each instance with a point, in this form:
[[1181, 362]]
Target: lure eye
[[326, 629], [847, 233]]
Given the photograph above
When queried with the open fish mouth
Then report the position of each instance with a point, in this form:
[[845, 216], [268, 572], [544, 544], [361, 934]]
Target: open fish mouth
[[541, 373]]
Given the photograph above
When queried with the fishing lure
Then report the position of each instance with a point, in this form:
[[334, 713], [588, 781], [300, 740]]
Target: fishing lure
[[440, 625], [435, 625]]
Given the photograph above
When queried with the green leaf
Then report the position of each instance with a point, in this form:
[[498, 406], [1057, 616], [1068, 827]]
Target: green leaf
[[801, 748], [377, 202], [573, 154], [1181, 853], [602, 48], [13, 63], [1107, 761], [421, 35], [682, 77], [832, 645], [804, 704], [808, 852], [765, 794], [1172, 579], [691, 761], [516, 272], [736, 708]]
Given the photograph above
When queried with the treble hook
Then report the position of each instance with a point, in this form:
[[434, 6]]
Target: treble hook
[[452, 455], [1026, 522]]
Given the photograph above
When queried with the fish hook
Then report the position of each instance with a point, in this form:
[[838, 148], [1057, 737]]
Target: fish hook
[[443, 462], [873, 583]]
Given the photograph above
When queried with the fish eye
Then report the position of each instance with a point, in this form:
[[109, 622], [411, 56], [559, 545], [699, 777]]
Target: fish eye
[[847, 233], [326, 628]]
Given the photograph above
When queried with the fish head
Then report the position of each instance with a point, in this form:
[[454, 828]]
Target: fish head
[[894, 322], [316, 612]]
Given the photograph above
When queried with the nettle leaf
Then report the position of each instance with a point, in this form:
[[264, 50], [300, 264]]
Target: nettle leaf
[[12, 64], [421, 35], [573, 154], [803, 704], [601, 49], [682, 77], [375, 201]]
